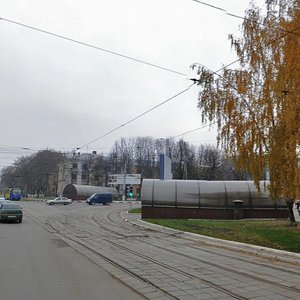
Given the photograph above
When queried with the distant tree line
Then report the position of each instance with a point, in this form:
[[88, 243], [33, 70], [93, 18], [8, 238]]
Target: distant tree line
[[31, 173], [135, 155], [141, 155]]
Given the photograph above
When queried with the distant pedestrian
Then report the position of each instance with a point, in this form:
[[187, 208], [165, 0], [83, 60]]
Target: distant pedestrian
[[298, 206]]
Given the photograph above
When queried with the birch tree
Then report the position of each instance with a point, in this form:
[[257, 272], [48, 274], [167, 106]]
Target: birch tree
[[256, 105]]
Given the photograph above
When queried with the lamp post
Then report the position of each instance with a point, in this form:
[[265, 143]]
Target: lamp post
[[125, 173], [140, 171], [139, 160]]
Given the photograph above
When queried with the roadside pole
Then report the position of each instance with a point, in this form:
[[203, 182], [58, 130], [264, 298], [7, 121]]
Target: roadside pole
[[124, 186]]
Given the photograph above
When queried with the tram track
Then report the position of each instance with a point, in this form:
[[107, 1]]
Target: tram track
[[94, 231], [148, 259], [94, 250], [194, 257], [182, 242]]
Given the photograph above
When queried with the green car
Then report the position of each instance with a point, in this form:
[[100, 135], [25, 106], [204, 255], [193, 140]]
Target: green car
[[10, 212]]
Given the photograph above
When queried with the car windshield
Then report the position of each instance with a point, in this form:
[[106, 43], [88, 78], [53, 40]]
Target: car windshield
[[10, 206]]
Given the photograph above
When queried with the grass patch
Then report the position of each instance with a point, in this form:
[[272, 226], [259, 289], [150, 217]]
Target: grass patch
[[277, 234], [135, 211]]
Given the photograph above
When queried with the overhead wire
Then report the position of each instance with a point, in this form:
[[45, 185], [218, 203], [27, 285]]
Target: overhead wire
[[131, 120], [143, 62], [226, 66], [113, 53], [93, 46], [212, 6], [233, 15], [193, 130], [255, 50], [139, 116], [246, 55], [10, 153], [199, 128], [17, 147], [287, 32]]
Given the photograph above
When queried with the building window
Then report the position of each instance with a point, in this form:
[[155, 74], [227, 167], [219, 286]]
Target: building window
[[74, 165], [74, 176], [84, 177]]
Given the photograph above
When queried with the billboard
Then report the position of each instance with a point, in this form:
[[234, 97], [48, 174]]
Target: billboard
[[129, 179]]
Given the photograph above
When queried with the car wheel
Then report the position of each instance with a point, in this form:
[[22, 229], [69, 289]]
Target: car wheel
[[51, 203], [20, 220]]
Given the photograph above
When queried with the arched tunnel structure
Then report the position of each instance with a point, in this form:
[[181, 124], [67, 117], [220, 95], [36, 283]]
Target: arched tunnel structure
[[82, 192], [208, 199]]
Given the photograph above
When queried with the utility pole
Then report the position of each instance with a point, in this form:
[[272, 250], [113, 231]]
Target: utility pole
[[125, 171]]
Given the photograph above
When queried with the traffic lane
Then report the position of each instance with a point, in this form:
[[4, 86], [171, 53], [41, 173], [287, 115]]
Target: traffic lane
[[37, 265]]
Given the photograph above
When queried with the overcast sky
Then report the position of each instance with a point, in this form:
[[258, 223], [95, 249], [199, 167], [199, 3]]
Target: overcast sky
[[61, 95]]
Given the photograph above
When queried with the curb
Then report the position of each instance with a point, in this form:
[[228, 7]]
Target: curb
[[124, 201]]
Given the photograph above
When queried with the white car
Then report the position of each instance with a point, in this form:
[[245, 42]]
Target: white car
[[59, 200]]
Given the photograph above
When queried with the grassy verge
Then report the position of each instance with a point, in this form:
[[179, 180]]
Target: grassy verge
[[277, 234], [135, 211]]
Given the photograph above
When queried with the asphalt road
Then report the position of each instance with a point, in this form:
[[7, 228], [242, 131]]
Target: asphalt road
[[37, 265], [100, 252]]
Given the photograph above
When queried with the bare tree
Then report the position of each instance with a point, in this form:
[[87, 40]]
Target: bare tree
[[32, 173]]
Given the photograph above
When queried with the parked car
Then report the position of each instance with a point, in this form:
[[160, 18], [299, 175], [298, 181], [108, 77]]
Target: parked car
[[59, 200], [102, 198], [10, 211]]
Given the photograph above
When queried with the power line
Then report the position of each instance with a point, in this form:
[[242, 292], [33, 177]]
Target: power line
[[212, 6], [137, 60], [17, 147], [246, 55], [139, 116], [193, 130], [286, 32], [255, 50], [216, 73], [94, 47], [234, 15]]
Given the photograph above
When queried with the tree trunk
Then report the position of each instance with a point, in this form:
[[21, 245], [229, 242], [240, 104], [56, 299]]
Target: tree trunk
[[290, 205]]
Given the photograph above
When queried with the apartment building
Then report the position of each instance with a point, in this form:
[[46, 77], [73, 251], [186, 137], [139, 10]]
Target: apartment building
[[81, 169]]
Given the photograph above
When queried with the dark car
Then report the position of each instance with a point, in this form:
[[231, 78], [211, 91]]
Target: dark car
[[101, 198], [10, 212]]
